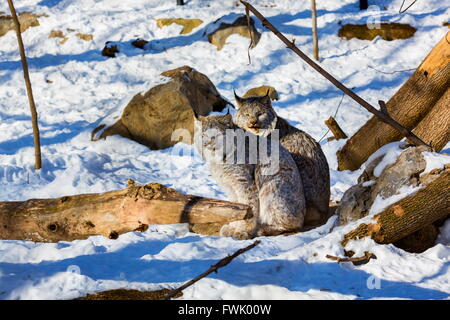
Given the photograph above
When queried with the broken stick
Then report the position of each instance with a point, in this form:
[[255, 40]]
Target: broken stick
[[213, 268], [334, 127]]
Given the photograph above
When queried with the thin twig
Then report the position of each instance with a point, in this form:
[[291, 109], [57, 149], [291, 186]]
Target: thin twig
[[214, 268], [250, 30], [383, 117], [395, 71], [403, 11], [26, 75], [355, 260]]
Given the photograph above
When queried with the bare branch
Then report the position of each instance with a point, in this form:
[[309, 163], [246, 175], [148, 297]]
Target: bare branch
[[214, 268], [34, 116], [383, 117]]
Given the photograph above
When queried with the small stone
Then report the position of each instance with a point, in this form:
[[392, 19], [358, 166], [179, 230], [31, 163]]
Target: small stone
[[187, 24], [110, 50], [58, 34], [387, 31], [219, 36], [85, 36], [139, 43], [26, 20], [262, 91]]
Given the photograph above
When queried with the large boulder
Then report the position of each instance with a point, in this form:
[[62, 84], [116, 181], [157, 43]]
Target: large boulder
[[26, 20], [150, 118], [387, 31], [219, 36]]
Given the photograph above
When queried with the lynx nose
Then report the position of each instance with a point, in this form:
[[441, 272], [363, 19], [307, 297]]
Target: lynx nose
[[253, 124]]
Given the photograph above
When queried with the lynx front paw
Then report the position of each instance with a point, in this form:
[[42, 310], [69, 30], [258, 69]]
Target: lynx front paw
[[240, 230]]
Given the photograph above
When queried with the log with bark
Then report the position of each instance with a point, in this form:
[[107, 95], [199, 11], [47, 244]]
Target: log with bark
[[435, 127], [112, 213], [409, 105], [408, 215]]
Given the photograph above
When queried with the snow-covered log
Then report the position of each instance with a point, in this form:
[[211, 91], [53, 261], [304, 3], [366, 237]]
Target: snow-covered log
[[111, 213], [408, 215]]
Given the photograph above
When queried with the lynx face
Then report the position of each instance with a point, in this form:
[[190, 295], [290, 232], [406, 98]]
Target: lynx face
[[209, 136], [255, 114]]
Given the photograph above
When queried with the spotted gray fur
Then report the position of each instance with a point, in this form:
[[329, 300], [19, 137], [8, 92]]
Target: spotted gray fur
[[256, 115], [276, 197]]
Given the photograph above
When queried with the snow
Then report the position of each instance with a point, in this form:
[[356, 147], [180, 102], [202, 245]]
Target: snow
[[87, 89]]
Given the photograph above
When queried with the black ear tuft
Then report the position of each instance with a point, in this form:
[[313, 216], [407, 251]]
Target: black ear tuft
[[267, 94], [238, 99], [196, 115]]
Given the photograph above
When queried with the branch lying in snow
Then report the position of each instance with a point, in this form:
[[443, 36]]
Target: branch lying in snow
[[291, 45], [213, 268], [355, 260]]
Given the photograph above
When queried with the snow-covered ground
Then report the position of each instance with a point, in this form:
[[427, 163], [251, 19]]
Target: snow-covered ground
[[76, 87]]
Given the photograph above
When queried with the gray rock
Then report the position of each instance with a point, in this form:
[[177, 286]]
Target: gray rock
[[357, 201], [404, 172]]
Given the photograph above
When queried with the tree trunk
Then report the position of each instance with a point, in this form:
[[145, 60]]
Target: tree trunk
[[111, 213], [26, 76], [363, 4], [435, 127], [409, 214], [408, 106], [314, 30]]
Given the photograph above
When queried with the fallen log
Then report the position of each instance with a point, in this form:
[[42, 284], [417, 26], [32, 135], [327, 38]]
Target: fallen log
[[409, 105], [434, 129], [111, 213], [408, 215]]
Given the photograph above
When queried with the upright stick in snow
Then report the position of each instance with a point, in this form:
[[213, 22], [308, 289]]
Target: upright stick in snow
[[314, 30], [363, 4], [381, 114], [34, 116]]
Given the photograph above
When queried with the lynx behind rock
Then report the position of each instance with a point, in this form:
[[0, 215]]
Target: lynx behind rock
[[256, 115], [281, 205]]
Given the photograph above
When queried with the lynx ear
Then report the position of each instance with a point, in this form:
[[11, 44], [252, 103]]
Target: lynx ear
[[196, 115], [266, 99], [238, 99]]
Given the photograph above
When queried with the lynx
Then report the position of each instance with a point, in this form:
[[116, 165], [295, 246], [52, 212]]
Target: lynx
[[256, 115], [276, 196]]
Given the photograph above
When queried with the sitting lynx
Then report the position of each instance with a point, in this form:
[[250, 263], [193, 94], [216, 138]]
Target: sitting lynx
[[256, 115], [274, 190]]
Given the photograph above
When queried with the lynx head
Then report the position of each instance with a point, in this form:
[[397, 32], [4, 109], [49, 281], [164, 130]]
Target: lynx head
[[255, 114], [209, 136]]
